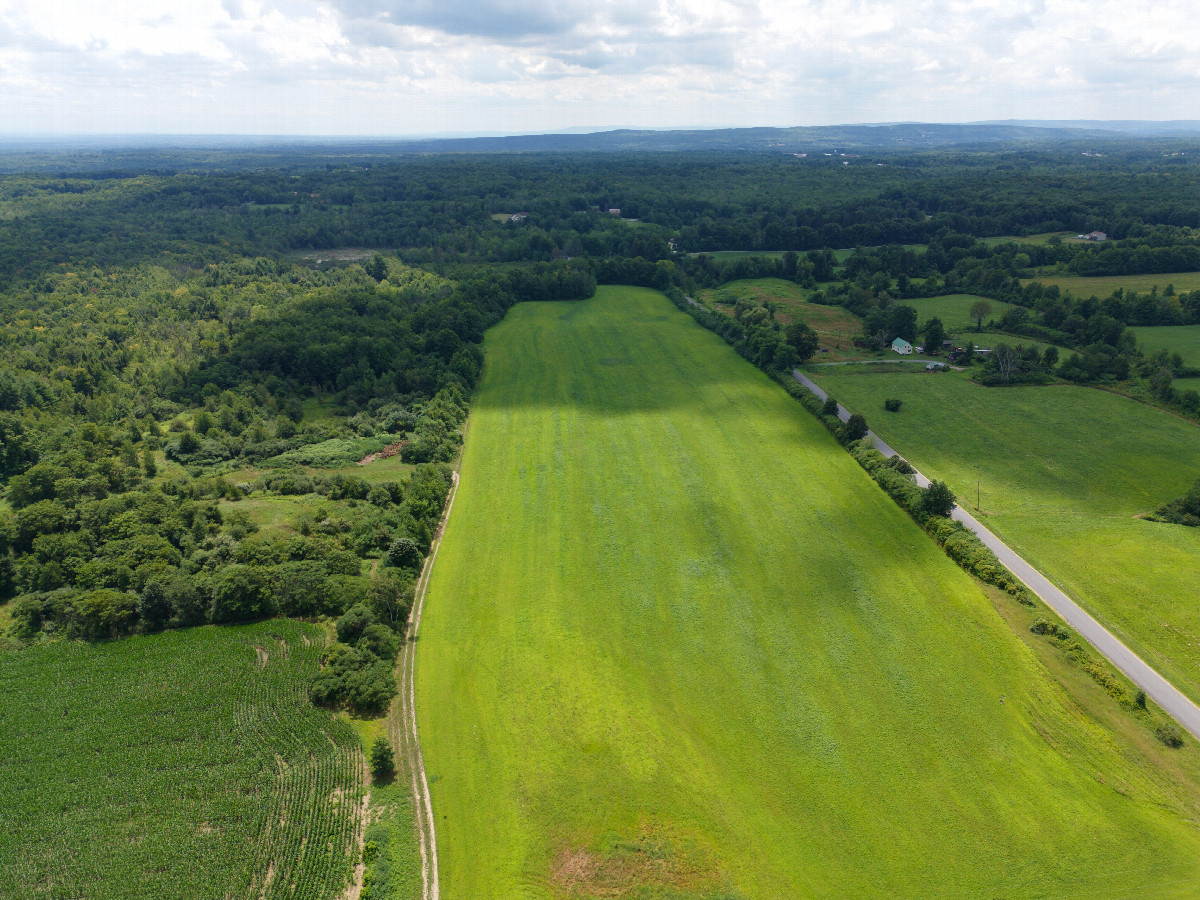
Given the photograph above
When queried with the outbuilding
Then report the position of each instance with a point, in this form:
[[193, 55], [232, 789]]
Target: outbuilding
[[900, 345]]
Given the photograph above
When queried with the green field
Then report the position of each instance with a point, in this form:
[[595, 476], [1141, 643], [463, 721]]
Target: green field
[[1067, 237], [1181, 339], [726, 255], [1063, 472], [184, 765], [836, 327], [954, 310], [678, 645], [1103, 285]]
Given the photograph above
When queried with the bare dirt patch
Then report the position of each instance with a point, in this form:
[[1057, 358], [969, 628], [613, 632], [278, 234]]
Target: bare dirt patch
[[627, 868], [386, 453]]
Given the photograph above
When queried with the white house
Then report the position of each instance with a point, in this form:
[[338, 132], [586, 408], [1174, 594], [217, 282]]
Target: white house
[[900, 345]]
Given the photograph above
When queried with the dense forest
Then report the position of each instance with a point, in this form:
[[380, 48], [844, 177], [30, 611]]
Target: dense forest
[[193, 363], [458, 208]]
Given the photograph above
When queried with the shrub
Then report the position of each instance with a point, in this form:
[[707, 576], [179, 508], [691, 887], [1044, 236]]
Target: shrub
[[855, 429], [1051, 629], [380, 641], [1169, 734], [391, 598], [1140, 699], [354, 622], [829, 407], [892, 405], [355, 678], [383, 760], [937, 499], [404, 554]]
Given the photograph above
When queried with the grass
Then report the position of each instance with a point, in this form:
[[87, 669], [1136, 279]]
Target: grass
[[835, 327], [394, 872], [840, 255], [1104, 285], [992, 338], [677, 644], [725, 255], [182, 765], [1068, 237], [954, 310], [1181, 339], [276, 512], [1063, 473], [317, 409]]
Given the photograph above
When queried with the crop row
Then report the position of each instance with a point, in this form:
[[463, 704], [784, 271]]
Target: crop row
[[187, 764]]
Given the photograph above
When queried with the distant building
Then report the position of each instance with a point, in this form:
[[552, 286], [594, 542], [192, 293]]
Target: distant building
[[518, 217], [1095, 236], [900, 345], [614, 212]]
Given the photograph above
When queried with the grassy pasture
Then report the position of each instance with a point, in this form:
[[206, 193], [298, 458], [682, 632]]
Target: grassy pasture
[[835, 326], [954, 310], [1068, 237], [1064, 471], [726, 255], [677, 644], [183, 765], [1181, 339], [1104, 285], [840, 255]]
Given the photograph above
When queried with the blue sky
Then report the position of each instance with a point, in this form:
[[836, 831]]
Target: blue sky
[[413, 67]]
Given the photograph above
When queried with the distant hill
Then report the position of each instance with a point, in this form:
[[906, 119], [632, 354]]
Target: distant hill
[[123, 154], [901, 136], [1173, 128]]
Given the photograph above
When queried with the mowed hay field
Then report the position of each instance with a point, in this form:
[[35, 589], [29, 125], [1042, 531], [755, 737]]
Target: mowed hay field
[[189, 764], [1181, 339], [1063, 473], [677, 644], [1103, 285], [955, 310]]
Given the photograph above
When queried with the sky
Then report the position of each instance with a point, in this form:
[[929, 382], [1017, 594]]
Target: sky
[[432, 67]]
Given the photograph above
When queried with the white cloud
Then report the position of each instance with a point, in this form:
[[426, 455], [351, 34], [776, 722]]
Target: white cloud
[[411, 66]]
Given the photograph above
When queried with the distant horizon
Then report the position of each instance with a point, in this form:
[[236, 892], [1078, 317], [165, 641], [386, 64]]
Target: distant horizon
[[138, 137]]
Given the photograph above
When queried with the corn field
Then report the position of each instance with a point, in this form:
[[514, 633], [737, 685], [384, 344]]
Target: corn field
[[189, 764]]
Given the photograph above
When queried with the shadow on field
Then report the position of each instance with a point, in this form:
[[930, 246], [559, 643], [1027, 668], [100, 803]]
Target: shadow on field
[[625, 351]]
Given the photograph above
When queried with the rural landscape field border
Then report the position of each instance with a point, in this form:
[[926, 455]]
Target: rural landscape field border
[[406, 728]]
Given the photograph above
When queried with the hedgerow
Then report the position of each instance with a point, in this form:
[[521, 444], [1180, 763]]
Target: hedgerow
[[894, 475]]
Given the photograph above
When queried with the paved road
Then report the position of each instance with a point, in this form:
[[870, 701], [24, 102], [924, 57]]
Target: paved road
[[1157, 688]]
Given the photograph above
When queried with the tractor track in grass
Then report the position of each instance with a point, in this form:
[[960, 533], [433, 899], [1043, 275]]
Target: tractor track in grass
[[1166, 695], [404, 732]]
